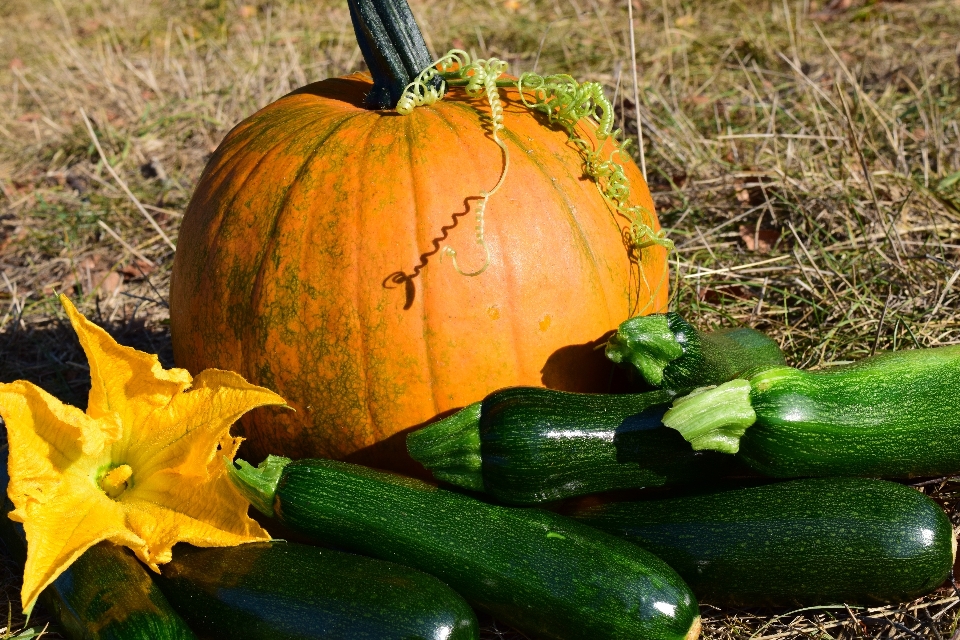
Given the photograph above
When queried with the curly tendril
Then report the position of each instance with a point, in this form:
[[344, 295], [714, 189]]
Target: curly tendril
[[457, 68], [565, 102], [420, 93]]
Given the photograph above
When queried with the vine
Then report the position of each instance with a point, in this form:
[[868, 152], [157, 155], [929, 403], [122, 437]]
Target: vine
[[565, 102], [476, 76]]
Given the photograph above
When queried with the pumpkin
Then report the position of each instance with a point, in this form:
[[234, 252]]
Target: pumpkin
[[309, 261]]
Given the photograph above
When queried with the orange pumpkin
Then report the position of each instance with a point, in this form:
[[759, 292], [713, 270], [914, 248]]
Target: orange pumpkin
[[308, 261]]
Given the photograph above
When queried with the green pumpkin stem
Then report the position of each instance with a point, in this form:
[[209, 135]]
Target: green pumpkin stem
[[392, 46]]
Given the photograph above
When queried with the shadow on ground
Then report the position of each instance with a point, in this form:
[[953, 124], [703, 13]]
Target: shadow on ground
[[50, 355]]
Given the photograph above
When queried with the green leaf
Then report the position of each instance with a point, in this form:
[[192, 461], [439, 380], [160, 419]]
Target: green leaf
[[949, 182]]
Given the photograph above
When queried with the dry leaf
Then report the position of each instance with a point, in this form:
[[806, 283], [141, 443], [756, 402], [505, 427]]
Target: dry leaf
[[761, 241], [716, 295], [151, 144], [89, 26], [137, 269], [698, 100], [113, 283]]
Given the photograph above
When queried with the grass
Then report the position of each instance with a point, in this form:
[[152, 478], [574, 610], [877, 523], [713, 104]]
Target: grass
[[805, 158]]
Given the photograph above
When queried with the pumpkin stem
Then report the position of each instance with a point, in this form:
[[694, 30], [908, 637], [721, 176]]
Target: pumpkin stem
[[392, 46]]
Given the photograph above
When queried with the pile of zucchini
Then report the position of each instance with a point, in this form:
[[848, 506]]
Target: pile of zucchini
[[726, 416], [770, 494]]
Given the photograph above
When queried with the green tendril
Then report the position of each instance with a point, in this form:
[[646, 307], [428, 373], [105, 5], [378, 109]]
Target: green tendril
[[565, 102], [419, 93], [482, 75]]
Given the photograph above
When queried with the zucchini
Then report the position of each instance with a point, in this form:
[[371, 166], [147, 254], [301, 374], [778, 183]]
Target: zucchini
[[669, 353], [106, 594], [541, 573], [289, 591], [525, 445], [802, 542], [894, 415]]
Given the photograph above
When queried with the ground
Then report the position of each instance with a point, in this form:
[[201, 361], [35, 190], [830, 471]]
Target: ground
[[803, 156]]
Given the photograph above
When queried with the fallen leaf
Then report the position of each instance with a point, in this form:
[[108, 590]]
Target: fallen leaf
[[90, 263], [89, 26], [11, 238], [151, 144], [137, 269], [113, 283], [716, 295], [761, 241], [66, 284], [698, 100]]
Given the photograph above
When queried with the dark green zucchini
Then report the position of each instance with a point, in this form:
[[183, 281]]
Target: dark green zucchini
[[525, 445], [894, 415], [541, 573], [669, 353], [288, 591], [803, 542], [106, 594]]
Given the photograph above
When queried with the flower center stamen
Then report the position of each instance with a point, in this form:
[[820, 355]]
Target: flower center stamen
[[114, 482]]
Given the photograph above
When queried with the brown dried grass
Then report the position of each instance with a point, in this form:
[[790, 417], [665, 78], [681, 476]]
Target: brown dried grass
[[805, 158]]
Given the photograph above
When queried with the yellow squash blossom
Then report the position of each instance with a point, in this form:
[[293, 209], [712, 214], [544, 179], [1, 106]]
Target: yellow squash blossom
[[143, 467]]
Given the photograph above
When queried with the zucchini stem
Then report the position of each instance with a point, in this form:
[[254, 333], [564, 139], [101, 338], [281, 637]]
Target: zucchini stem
[[258, 484], [646, 342], [713, 418], [450, 448]]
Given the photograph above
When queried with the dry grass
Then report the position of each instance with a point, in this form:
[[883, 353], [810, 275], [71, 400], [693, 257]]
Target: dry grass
[[806, 160]]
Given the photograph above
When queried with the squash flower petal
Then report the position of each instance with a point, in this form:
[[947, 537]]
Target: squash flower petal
[[142, 467]]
